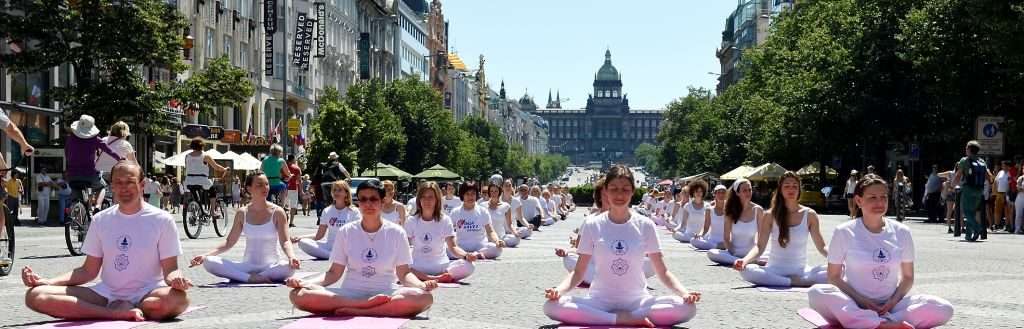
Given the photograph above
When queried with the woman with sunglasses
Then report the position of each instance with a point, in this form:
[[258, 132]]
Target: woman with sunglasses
[[617, 241], [377, 251], [431, 233], [784, 231]]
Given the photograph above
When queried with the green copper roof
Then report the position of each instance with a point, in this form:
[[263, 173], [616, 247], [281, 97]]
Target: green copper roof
[[607, 71]]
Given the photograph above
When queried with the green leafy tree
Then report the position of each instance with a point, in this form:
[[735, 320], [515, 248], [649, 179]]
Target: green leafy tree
[[494, 148], [219, 85], [336, 129], [427, 125], [647, 156], [381, 138], [105, 42]]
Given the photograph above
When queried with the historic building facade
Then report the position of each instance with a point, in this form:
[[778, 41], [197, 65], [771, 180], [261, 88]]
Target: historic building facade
[[607, 130]]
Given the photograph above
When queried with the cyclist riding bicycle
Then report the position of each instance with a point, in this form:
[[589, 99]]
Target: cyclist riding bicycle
[[80, 150], [15, 134], [277, 172], [331, 171], [197, 170]]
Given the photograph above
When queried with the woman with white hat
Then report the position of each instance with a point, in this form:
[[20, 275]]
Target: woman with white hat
[[80, 150]]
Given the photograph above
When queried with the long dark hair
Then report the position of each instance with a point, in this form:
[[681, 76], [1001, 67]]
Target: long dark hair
[[733, 204], [868, 181], [779, 210]]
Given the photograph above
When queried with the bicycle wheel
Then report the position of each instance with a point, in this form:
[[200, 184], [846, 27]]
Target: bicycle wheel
[[76, 228], [223, 224], [7, 249], [192, 220]]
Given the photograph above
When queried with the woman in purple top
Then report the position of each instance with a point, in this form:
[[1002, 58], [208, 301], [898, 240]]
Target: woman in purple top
[[80, 151]]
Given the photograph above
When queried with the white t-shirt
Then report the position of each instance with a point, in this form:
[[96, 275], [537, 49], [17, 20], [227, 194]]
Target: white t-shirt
[[41, 179], [514, 203], [370, 264], [4, 120], [335, 218], [450, 204], [872, 261], [530, 207], [151, 187], [469, 227], [618, 252], [558, 200], [120, 146], [498, 223], [1003, 182], [429, 239], [851, 185], [131, 247], [549, 206]]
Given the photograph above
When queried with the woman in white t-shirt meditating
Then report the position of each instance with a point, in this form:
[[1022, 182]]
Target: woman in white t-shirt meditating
[[134, 249], [523, 229], [714, 223], [376, 254], [450, 201], [332, 219], [501, 217], [740, 231], [473, 231], [871, 271], [693, 215], [618, 240], [431, 233], [784, 231], [265, 226]]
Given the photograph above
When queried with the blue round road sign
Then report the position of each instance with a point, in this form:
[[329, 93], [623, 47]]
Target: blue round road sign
[[990, 130]]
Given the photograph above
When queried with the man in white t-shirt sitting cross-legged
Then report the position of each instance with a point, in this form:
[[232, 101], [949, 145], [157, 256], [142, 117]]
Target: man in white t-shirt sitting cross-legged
[[134, 248]]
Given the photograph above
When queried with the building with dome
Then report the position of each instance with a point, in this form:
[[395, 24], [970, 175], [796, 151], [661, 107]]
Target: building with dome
[[606, 130]]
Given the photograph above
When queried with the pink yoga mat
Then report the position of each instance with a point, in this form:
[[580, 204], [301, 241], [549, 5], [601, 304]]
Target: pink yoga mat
[[783, 289], [597, 327], [357, 322], [815, 319], [101, 324]]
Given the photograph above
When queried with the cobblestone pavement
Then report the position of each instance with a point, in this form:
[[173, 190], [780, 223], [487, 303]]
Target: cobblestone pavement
[[983, 280]]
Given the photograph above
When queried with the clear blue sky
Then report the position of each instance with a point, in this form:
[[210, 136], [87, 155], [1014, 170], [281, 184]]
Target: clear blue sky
[[660, 47]]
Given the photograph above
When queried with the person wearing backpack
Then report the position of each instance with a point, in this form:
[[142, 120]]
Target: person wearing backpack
[[331, 171], [972, 173]]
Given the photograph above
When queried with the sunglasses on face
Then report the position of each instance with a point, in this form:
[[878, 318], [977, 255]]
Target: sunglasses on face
[[372, 199]]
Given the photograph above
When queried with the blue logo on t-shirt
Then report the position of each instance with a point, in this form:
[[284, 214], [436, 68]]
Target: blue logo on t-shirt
[[124, 242], [620, 247], [881, 256], [370, 255]]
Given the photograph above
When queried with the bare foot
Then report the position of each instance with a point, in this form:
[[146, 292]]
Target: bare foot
[[628, 319], [445, 278], [130, 315], [895, 325], [256, 278]]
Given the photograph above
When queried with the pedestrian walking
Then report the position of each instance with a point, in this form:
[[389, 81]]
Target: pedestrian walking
[[973, 174], [1002, 191], [932, 195], [63, 196], [43, 186]]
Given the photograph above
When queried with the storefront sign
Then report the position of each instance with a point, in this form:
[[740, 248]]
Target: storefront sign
[[268, 55], [303, 44], [321, 29], [270, 16], [293, 126], [216, 133], [193, 131], [232, 136]]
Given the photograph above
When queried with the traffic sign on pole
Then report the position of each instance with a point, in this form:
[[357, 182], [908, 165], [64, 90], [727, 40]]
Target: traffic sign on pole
[[990, 135]]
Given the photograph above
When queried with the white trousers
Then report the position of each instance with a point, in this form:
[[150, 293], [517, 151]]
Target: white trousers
[[511, 240], [1018, 204], [317, 249], [702, 243], [458, 269], [763, 276], [43, 207], [722, 256], [586, 310], [682, 236], [490, 250], [523, 232], [240, 272], [921, 311], [547, 221]]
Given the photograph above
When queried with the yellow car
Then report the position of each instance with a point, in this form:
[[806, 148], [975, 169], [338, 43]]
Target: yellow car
[[812, 198]]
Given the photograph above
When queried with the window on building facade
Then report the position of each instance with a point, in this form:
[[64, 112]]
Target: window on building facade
[[210, 51], [31, 88], [278, 65], [243, 55], [227, 49]]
